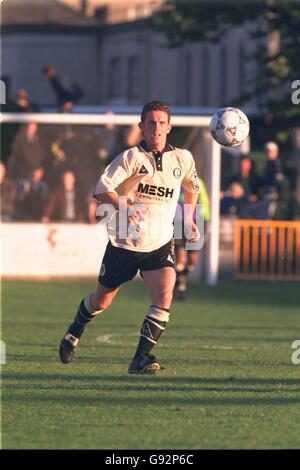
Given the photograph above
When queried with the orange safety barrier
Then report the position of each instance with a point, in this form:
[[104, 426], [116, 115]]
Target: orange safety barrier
[[267, 250]]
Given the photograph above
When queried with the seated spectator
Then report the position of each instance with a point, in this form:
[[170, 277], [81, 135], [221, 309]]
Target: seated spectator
[[273, 174], [67, 93], [232, 199], [8, 195], [234, 202], [32, 196], [66, 202]]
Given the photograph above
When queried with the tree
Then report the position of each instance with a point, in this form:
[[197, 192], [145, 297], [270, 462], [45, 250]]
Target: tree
[[184, 21]]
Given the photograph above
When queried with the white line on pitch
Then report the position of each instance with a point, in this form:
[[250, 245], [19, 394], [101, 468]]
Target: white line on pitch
[[109, 340]]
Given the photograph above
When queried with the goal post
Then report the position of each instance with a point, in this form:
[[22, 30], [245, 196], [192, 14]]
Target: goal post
[[177, 120]]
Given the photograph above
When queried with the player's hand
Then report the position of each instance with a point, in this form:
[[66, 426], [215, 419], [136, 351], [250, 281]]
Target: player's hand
[[192, 233], [136, 217]]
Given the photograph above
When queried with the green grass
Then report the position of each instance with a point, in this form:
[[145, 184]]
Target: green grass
[[229, 381]]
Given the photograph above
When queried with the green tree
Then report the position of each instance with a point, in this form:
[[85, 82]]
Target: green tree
[[184, 21]]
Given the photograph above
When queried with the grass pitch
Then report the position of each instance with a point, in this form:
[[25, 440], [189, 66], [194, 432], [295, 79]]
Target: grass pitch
[[229, 380]]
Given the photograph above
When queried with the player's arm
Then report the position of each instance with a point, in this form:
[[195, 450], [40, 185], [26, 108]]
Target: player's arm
[[108, 198], [190, 201], [191, 188], [115, 173], [112, 198]]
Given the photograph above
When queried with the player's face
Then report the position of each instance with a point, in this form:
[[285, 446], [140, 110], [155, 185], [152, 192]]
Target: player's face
[[155, 129]]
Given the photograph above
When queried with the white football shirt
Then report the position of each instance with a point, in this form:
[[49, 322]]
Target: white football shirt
[[151, 181]]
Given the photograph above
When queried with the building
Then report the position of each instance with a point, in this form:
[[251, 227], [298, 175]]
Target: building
[[115, 59], [115, 11]]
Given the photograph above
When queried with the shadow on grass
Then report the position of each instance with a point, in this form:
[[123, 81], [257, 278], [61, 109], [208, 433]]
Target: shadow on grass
[[142, 387], [158, 378], [146, 400], [245, 293]]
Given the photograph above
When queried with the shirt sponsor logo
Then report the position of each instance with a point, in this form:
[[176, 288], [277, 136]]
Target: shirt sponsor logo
[[155, 190]]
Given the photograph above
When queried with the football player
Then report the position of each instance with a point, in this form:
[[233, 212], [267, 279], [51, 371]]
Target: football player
[[140, 190]]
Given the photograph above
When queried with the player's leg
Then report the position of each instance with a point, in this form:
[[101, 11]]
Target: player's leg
[[181, 271], [160, 284], [118, 266], [93, 304], [192, 258], [89, 307]]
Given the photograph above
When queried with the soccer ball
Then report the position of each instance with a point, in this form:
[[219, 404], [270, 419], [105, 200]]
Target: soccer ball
[[229, 126]]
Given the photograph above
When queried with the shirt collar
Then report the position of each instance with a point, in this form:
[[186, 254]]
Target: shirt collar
[[143, 146]]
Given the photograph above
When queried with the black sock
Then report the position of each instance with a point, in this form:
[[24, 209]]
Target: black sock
[[82, 318], [151, 331]]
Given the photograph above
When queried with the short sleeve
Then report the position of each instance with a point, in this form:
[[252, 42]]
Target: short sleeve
[[190, 181], [114, 174]]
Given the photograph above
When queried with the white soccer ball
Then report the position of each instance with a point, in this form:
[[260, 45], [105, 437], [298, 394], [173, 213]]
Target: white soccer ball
[[229, 126]]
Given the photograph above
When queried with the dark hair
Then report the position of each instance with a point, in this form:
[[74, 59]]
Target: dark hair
[[155, 106]]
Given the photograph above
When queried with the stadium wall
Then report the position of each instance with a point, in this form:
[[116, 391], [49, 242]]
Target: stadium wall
[[51, 250]]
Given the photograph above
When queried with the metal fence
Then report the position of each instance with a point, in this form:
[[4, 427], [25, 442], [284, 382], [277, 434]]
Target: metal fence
[[267, 250]]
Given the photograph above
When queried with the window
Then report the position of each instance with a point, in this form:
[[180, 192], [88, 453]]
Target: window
[[115, 74], [187, 78], [223, 74], [134, 77], [242, 66], [205, 76]]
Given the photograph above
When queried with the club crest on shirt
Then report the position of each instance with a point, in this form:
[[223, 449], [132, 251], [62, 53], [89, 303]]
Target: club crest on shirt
[[195, 179], [177, 172]]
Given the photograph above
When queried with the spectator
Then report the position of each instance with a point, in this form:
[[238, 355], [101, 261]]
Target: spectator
[[104, 140], [248, 178], [8, 195], [126, 136], [132, 136], [235, 202], [20, 104], [65, 202], [78, 153], [33, 196], [273, 174], [67, 93], [28, 153]]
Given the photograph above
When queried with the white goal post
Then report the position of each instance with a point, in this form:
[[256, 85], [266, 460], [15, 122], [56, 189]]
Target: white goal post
[[129, 119]]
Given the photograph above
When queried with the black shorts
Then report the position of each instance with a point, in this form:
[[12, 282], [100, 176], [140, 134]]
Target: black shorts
[[120, 265]]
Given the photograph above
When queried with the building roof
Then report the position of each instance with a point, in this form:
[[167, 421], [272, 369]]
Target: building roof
[[39, 12]]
